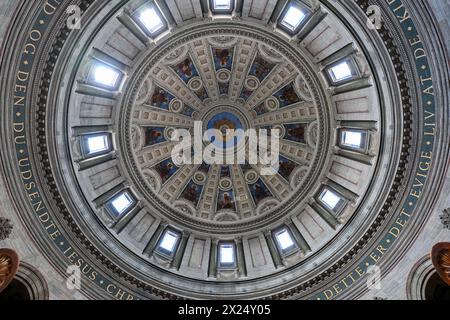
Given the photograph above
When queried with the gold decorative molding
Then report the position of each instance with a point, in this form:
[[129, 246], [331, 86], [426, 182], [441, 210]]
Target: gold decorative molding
[[440, 256], [9, 264]]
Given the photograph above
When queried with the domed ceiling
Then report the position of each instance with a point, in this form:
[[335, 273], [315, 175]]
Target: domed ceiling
[[137, 74], [222, 89]]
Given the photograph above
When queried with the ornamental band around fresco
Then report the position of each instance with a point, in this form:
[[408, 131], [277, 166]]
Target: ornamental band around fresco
[[214, 149]]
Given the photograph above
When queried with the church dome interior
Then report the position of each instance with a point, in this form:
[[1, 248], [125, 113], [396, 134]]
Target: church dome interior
[[224, 150]]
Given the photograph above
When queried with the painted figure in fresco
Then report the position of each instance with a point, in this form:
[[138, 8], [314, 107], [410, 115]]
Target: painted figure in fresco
[[165, 170], [261, 68], [289, 96], [224, 88], [187, 111], [225, 172], [153, 136], [226, 201], [223, 56], [202, 94], [192, 193], [204, 167], [185, 68], [245, 94], [159, 98], [261, 109], [259, 192]]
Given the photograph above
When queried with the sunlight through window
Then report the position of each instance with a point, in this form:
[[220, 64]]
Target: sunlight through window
[[293, 18], [226, 254], [352, 139], [169, 241], [222, 4], [330, 199], [284, 240], [342, 71], [105, 75], [122, 202], [97, 144], [151, 20]]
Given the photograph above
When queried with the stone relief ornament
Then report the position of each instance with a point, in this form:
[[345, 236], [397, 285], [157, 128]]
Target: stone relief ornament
[[106, 217], [185, 207], [269, 53], [266, 205], [168, 133], [136, 137], [223, 41], [251, 83], [176, 105], [200, 177], [298, 176], [303, 89], [251, 176], [195, 84], [226, 216], [5, 228], [176, 56], [223, 75], [152, 179], [313, 134], [272, 104], [145, 92], [225, 184]]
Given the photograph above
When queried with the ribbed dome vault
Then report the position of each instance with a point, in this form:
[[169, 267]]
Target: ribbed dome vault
[[111, 96]]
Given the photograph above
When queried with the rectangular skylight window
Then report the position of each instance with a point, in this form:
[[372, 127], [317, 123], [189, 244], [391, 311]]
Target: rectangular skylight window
[[293, 17], [169, 242], [330, 199], [105, 76], [151, 19], [121, 203], [227, 255], [352, 138], [97, 143], [284, 239], [222, 4]]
